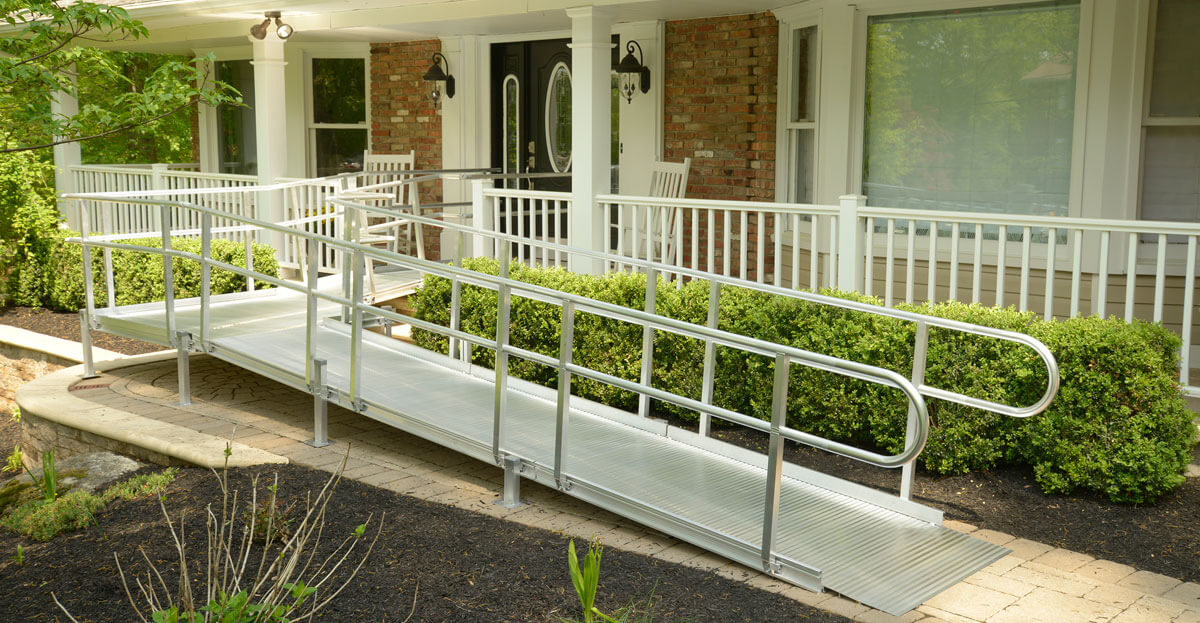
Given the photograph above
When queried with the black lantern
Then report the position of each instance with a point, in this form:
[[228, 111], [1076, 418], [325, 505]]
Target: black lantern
[[631, 71], [436, 74]]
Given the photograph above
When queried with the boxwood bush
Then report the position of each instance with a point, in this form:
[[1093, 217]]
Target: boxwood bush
[[1118, 426], [138, 277]]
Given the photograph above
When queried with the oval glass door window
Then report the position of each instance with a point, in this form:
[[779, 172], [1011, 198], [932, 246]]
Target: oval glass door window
[[558, 118]]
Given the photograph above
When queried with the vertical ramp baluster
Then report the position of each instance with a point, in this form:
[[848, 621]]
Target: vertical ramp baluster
[[503, 308], [183, 341], [710, 356], [356, 332], [1189, 292], [648, 340], [168, 273], [918, 379], [775, 461], [566, 345]]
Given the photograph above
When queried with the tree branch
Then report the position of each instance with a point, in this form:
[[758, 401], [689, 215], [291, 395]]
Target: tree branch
[[129, 126]]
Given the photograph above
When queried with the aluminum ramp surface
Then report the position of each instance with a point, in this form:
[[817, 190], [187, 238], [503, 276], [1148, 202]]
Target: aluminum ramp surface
[[698, 489]]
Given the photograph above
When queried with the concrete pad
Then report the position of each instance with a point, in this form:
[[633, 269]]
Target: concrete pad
[[49, 399]]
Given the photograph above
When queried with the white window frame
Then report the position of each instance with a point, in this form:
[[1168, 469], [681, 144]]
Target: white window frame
[[358, 51], [786, 128]]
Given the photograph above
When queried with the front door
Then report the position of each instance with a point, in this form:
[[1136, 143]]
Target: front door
[[531, 121]]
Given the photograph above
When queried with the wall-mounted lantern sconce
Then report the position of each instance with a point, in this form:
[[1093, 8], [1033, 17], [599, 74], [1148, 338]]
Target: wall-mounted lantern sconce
[[436, 75], [282, 30], [634, 75]]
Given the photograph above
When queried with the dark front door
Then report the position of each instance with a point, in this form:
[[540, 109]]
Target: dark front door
[[531, 112]]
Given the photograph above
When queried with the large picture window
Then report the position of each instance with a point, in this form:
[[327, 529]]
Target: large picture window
[[972, 110]]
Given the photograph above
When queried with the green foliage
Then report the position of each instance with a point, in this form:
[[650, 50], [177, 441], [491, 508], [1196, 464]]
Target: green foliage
[[48, 485], [139, 276], [1118, 426], [271, 520], [15, 461], [238, 608], [28, 224], [140, 486], [586, 580], [42, 519], [36, 62], [19, 557]]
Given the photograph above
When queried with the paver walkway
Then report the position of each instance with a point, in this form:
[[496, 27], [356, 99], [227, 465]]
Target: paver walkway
[[1035, 583]]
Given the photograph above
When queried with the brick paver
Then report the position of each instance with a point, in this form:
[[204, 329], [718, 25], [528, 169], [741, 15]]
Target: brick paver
[[1036, 582]]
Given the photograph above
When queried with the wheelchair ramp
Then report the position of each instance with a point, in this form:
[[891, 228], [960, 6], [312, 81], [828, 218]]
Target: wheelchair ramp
[[869, 546]]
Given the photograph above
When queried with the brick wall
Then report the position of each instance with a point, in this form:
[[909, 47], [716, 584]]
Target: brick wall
[[719, 105], [402, 113]]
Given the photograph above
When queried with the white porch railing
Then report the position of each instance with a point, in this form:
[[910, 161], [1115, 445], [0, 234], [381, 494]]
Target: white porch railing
[[542, 216], [1055, 266], [134, 218]]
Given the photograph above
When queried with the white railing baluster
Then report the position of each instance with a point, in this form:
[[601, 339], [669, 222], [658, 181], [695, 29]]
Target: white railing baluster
[[1051, 246], [712, 240], [1100, 305], [931, 278], [1026, 242], [890, 274], [1001, 257], [1076, 268], [726, 252], [910, 268], [954, 232], [869, 261], [1189, 291], [795, 251], [1130, 275], [760, 248], [814, 256], [777, 266], [977, 266], [743, 243], [1160, 277]]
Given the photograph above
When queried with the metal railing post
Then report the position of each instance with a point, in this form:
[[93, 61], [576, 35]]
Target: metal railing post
[[356, 333], [311, 319], [168, 272], [513, 466], [320, 404], [918, 378], [849, 243], [503, 312], [455, 346], [85, 334], [710, 356], [566, 345], [775, 460], [183, 341], [205, 278], [648, 340]]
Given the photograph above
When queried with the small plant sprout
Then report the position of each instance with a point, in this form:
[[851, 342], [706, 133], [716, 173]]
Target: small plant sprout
[[15, 461], [19, 557], [49, 482], [16, 414]]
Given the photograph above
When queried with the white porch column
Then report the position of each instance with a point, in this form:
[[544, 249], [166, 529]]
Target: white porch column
[[591, 128], [66, 155], [270, 125]]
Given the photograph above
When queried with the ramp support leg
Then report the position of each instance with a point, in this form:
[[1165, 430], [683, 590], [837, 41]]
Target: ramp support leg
[[85, 335], [320, 406], [512, 482], [183, 341]]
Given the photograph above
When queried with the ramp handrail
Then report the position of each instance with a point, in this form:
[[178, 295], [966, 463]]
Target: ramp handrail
[[351, 301]]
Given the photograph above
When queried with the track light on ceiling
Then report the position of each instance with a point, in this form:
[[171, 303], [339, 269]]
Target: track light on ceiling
[[436, 74], [634, 75], [282, 30]]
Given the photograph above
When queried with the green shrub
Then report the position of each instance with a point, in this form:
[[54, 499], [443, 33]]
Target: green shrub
[[28, 224], [1118, 426], [41, 520], [139, 276]]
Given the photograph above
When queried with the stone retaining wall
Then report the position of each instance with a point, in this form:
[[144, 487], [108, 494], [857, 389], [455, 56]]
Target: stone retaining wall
[[39, 434]]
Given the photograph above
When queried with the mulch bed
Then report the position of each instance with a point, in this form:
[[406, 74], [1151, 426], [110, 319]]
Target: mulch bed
[[459, 565], [472, 567], [66, 326]]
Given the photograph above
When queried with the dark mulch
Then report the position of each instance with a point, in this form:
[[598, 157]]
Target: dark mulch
[[1164, 537], [66, 326], [461, 566]]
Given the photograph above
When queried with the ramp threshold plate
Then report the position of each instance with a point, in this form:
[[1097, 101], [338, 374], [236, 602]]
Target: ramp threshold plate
[[657, 475]]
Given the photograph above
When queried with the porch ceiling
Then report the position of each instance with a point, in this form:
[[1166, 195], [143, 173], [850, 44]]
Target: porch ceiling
[[179, 26]]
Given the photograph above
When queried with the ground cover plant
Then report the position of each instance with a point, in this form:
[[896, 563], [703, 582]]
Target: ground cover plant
[[1119, 425]]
